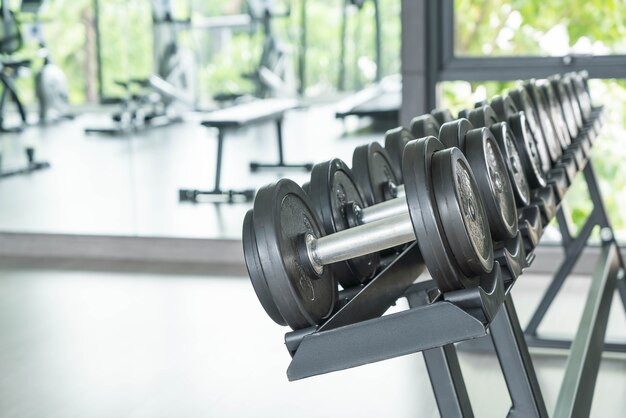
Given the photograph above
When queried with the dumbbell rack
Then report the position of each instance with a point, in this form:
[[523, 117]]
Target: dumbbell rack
[[358, 334]]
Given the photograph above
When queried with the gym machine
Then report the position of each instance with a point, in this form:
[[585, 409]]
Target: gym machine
[[380, 101], [11, 41], [446, 217], [50, 82], [31, 165], [160, 99]]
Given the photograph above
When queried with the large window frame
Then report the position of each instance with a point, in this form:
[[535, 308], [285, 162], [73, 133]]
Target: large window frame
[[436, 61]]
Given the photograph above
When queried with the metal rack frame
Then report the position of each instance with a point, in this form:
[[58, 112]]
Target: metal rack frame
[[357, 334]]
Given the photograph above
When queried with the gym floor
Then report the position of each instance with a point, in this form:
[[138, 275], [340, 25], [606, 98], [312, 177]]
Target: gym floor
[[122, 341], [128, 185]]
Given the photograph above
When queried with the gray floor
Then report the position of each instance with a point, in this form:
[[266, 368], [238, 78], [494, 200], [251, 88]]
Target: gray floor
[[102, 185], [82, 342]]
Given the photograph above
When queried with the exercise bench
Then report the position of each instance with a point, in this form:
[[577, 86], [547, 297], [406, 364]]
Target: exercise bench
[[232, 119]]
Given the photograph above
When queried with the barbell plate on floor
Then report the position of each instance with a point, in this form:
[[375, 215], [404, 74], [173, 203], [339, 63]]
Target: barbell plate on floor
[[420, 195], [545, 122], [510, 152], [554, 109], [395, 141], [332, 188], [565, 104], [504, 107], [452, 134], [424, 125], [524, 104], [462, 212], [255, 270], [442, 115], [373, 171], [529, 154], [484, 156], [282, 217], [483, 116]]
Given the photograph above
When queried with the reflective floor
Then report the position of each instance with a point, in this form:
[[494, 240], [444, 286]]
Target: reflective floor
[[128, 185], [90, 343]]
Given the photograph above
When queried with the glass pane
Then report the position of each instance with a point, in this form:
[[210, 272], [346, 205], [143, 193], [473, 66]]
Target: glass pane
[[539, 28], [608, 153]]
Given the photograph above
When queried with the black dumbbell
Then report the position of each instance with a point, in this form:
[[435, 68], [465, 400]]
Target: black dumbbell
[[287, 252]]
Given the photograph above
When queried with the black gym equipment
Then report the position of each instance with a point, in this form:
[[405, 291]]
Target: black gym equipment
[[160, 99], [31, 165], [11, 41], [442, 210], [51, 85], [374, 173], [395, 141], [273, 75], [232, 119], [381, 101]]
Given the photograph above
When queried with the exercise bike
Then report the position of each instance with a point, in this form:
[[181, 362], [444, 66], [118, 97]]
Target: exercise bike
[[51, 85]]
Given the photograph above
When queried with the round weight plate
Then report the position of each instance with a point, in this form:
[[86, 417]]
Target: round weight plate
[[373, 171], [578, 84], [282, 217], [506, 142], [332, 188], [524, 103], [545, 122], [568, 82], [485, 159], [529, 154], [442, 115], [395, 140], [560, 127], [306, 187], [452, 134], [420, 196], [504, 107], [425, 125], [483, 117], [462, 212], [255, 270], [566, 105], [463, 114], [569, 89]]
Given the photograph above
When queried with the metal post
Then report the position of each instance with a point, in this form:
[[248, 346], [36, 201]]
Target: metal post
[[279, 136], [218, 165], [517, 367], [378, 41]]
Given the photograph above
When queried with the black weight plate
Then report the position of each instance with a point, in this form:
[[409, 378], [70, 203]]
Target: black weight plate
[[420, 196], [545, 121], [462, 212], [452, 134], [483, 117], [373, 171], [424, 125], [332, 188], [560, 127], [307, 188], [566, 105], [510, 152], [569, 89], [485, 159], [504, 107], [528, 150], [255, 270], [524, 103], [442, 115], [463, 114], [582, 97], [395, 140], [282, 217]]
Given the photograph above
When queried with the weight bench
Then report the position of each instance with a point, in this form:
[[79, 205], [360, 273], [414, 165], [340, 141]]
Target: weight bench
[[236, 117]]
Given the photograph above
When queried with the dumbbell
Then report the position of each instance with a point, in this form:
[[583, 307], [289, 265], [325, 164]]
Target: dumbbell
[[544, 119], [287, 252]]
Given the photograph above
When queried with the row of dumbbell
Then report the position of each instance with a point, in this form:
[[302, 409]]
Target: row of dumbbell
[[456, 190]]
